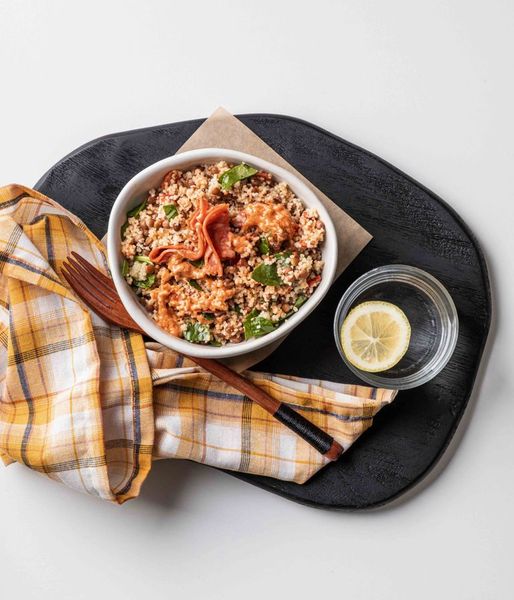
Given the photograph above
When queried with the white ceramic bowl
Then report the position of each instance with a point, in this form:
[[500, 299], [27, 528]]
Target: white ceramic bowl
[[134, 192]]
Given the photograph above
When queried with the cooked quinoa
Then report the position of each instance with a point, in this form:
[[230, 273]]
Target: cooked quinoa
[[222, 253]]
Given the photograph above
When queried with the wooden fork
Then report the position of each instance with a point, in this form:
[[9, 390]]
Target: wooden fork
[[98, 292]]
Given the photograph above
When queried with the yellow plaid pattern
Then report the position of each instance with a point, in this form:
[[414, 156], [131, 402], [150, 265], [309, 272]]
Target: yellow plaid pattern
[[201, 418], [88, 404]]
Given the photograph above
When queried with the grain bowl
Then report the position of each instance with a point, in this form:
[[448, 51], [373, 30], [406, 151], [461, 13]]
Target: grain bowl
[[216, 253]]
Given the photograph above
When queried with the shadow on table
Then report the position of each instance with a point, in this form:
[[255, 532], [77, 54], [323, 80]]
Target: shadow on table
[[167, 483], [175, 484]]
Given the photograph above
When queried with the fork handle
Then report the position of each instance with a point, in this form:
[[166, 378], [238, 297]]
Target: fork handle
[[316, 437]]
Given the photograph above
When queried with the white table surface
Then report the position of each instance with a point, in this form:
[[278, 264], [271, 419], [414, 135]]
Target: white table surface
[[426, 85]]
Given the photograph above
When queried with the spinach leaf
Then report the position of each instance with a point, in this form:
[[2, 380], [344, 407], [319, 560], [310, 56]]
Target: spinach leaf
[[300, 301], [132, 213], [197, 333], [197, 263], [209, 316], [214, 342], [193, 283], [237, 173], [145, 283], [150, 278], [124, 268], [143, 259], [237, 309], [170, 210], [136, 210], [264, 245], [267, 274], [257, 326], [283, 255]]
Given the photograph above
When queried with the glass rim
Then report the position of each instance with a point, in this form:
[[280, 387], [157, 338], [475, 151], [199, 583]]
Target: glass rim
[[438, 295]]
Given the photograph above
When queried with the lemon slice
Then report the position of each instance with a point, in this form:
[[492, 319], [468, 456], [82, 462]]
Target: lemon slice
[[375, 336]]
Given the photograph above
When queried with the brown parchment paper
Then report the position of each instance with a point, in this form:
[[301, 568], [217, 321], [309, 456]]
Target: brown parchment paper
[[223, 130]]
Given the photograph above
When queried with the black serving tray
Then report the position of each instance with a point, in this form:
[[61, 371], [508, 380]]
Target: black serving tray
[[409, 224]]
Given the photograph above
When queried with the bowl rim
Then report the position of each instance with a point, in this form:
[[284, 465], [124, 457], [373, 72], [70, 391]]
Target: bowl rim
[[186, 160], [443, 301]]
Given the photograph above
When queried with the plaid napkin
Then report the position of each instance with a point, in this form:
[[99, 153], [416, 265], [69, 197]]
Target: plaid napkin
[[90, 405]]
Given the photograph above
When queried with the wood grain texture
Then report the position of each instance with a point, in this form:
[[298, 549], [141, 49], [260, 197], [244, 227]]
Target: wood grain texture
[[410, 225]]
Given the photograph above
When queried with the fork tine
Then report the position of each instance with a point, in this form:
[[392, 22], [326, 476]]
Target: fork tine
[[96, 302], [111, 311], [82, 282], [92, 279], [93, 270]]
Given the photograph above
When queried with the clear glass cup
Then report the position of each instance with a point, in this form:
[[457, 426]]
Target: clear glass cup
[[431, 313]]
